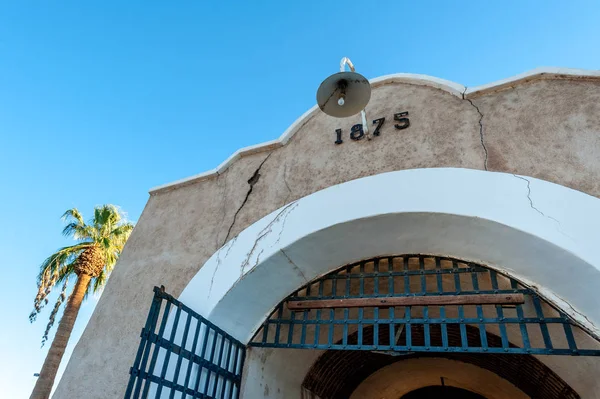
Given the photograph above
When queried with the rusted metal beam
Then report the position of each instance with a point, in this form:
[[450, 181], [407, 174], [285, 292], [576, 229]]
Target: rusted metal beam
[[477, 299]]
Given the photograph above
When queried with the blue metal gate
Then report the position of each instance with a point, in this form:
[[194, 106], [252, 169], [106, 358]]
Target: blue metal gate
[[182, 355], [419, 303], [399, 305]]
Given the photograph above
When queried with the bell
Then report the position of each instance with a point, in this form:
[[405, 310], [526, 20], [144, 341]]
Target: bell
[[344, 94]]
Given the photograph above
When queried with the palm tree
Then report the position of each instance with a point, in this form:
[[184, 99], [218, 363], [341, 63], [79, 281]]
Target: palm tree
[[90, 261]]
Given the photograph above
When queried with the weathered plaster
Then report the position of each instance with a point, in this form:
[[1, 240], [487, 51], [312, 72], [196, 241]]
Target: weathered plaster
[[275, 374], [545, 127]]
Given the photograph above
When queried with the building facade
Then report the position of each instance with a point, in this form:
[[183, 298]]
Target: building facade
[[473, 210]]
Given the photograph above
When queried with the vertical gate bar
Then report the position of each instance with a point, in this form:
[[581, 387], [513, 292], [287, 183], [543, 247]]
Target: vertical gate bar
[[464, 342], [426, 327], [318, 317], [227, 386], [391, 288], [332, 311], [348, 282], [361, 279], [236, 354], [407, 327], [376, 278], [210, 360], [422, 270], [304, 319], [456, 277], [144, 348], [426, 331], [151, 346], [440, 288], [188, 373], [500, 313], [482, 330], [303, 328], [179, 356], [202, 354], [520, 316], [361, 292], [234, 368], [226, 367], [278, 324], [346, 311], [265, 334], [169, 349], [407, 309], [161, 331], [391, 316], [406, 276], [218, 363], [290, 338], [543, 325], [238, 384], [331, 326], [376, 309], [569, 334]]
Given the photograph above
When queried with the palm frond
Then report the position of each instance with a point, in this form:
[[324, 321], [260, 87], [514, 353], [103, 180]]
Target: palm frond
[[67, 270], [106, 216], [78, 231], [122, 231], [61, 298], [98, 284], [73, 214], [56, 268]]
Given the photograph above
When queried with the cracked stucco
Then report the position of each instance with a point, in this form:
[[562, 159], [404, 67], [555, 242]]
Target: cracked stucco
[[532, 206], [550, 130], [264, 233], [251, 182], [480, 122], [295, 266]]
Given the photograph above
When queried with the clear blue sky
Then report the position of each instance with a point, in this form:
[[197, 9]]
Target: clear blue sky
[[99, 101]]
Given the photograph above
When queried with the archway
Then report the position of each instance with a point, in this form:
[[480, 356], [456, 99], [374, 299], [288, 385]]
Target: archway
[[387, 310], [486, 218]]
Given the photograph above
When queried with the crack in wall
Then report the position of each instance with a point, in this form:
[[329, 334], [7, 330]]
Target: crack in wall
[[286, 184], [265, 232], [575, 311], [529, 195], [295, 265], [481, 138], [291, 208], [559, 226], [212, 279], [252, 181], [223, 208]]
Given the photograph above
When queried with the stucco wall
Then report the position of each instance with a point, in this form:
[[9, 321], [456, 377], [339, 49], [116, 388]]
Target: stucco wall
[[276, 374], [546, 128]]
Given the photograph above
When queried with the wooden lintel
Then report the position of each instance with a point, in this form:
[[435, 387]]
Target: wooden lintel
[[441, 300]]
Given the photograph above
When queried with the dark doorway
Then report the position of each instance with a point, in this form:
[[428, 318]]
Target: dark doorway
[[441, 391]]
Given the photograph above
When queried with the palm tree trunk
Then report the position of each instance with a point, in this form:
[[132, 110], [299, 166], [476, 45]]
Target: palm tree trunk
[[43, 386]]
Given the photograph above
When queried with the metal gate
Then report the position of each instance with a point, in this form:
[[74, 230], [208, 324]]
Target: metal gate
[[399, 305], [419, 303], [182, 355]]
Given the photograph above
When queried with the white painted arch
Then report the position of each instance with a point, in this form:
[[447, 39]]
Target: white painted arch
[[541, 233]]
